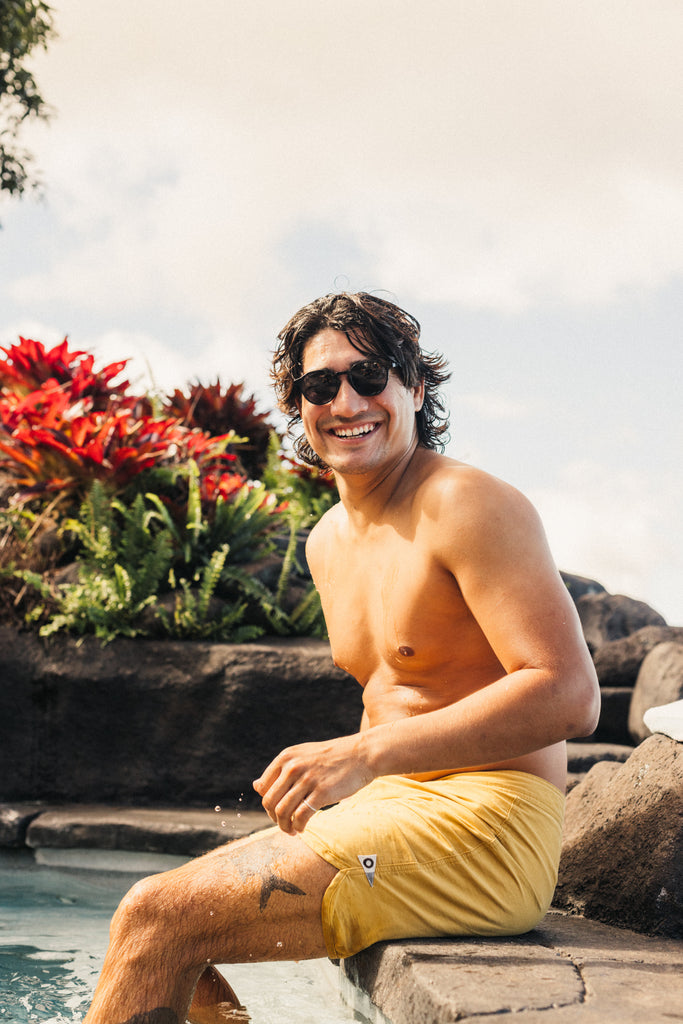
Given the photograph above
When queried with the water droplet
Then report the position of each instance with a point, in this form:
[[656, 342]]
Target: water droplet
[[223, 824], [211, 913], [217, 808], [239, 815], [279, 945]]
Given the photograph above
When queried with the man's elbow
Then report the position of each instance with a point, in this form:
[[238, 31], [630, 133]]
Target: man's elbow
[[585, 711]]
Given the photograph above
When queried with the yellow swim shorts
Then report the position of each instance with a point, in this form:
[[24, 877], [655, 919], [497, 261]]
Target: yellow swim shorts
[[472, 853]]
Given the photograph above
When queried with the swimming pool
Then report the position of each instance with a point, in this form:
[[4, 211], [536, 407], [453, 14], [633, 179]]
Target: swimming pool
[[54, 924]]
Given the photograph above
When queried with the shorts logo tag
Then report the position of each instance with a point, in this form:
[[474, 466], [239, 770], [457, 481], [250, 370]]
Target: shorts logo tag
[[368, 862]]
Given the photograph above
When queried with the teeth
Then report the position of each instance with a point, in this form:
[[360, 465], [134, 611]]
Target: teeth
[[354, 431]]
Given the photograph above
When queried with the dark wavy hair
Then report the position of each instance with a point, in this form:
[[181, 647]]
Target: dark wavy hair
[[375, 327]]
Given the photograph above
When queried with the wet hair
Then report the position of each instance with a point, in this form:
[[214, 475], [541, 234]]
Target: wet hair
[[375, 327]]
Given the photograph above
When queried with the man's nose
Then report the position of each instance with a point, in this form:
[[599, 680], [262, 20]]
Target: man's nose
[[347, 401]]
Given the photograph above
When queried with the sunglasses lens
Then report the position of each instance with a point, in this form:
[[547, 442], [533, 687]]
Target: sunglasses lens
[[368, 377], [319, 387]]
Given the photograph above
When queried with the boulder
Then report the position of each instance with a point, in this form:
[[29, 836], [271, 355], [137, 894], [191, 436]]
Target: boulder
[[158, 722], [622, 849], [660, 681], [580, 585], [607, 617], [615, 704], [618, 662]]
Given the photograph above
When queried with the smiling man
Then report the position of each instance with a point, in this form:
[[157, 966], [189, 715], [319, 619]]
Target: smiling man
[[443, 814]]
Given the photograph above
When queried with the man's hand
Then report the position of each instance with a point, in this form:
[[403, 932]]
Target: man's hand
[[305, 778]]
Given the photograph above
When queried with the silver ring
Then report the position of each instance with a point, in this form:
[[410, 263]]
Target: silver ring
[[310, 806]]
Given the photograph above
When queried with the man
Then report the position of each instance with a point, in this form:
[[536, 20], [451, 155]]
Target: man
[[443, 814]]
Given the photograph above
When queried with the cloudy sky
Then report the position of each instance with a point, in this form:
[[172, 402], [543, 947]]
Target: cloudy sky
[[510, 171]]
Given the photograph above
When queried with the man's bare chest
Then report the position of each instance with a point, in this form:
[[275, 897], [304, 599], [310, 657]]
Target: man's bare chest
[[392, 606]]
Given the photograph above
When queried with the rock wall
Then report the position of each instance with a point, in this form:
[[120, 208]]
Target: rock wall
[[157, 722]]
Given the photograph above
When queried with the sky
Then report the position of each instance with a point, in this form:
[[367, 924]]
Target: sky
[[509, 171]]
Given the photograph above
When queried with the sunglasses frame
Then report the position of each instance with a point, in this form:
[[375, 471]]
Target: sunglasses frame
[[388, 365]]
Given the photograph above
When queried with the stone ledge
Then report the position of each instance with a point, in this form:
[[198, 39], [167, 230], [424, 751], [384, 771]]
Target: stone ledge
[[567, 971], [14, 822], [187, 833], [582, 756]]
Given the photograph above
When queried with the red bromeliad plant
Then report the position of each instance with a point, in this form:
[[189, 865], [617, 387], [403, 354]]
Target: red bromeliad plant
[[216, 411], [113, 447], [149, 504], [63, 425], [29, 366]]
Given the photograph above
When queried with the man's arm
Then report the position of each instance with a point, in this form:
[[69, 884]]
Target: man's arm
[[491, 540], [497, 552]]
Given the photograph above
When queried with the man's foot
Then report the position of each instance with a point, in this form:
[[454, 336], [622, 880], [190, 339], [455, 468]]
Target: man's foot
[[215, 1002]]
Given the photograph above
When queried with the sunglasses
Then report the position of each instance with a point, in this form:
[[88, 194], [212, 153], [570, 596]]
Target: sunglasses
[[367, 377]]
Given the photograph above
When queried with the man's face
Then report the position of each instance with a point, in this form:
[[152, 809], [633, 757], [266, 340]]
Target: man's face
[[353, 434]]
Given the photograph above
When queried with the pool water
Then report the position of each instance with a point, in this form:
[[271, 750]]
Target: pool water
[[54, 925]]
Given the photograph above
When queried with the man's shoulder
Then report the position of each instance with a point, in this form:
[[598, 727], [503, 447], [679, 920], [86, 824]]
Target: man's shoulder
[[320, 533], [460, 508], [329, 521], [449, 484], [472, 518]]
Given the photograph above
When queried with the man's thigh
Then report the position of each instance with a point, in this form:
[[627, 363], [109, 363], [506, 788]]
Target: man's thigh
[[258, 898]]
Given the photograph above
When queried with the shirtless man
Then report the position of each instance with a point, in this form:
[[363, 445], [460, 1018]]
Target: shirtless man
[[443, 814]]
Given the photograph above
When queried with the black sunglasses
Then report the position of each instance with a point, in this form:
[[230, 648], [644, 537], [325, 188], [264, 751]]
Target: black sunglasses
[[368, 377]]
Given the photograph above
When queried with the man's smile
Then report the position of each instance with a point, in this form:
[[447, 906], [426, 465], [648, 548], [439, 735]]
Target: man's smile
[[358, 431]]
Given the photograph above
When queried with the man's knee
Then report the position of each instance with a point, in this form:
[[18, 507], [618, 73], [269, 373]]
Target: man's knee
[[149, 909]]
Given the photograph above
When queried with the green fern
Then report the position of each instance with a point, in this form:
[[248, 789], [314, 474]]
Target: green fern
[[134, 556], [307, 618], [101, 605], [121, 566], [191, 616], [288, 562], [246, 522], [262, 602]]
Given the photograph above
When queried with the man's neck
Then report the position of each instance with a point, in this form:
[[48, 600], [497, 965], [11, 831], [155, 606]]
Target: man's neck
[[368, 498]]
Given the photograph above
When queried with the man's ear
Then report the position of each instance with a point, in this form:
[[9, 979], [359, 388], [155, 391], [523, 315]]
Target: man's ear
[[419, 395]]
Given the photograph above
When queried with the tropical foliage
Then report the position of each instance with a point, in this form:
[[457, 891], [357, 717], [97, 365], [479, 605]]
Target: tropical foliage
[[120, 522], [24, 26], [217, 411]]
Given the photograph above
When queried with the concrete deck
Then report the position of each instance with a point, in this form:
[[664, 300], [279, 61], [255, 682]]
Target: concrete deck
[[567, 971]]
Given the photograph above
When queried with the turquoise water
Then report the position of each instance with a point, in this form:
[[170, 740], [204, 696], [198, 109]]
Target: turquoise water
[[54, 925]]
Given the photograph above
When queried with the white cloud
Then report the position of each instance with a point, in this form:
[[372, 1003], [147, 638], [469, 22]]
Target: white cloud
[[35, 329], [619, 527], [487, 154], [152, 365], [494, 406]]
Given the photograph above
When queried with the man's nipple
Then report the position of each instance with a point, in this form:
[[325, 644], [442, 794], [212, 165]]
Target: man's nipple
[[406, 651]]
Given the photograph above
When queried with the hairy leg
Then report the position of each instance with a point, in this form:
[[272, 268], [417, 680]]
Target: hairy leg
[[255, 899]]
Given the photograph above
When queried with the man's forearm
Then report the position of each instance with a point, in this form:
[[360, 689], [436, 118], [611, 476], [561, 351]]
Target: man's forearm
[[513, 716]]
